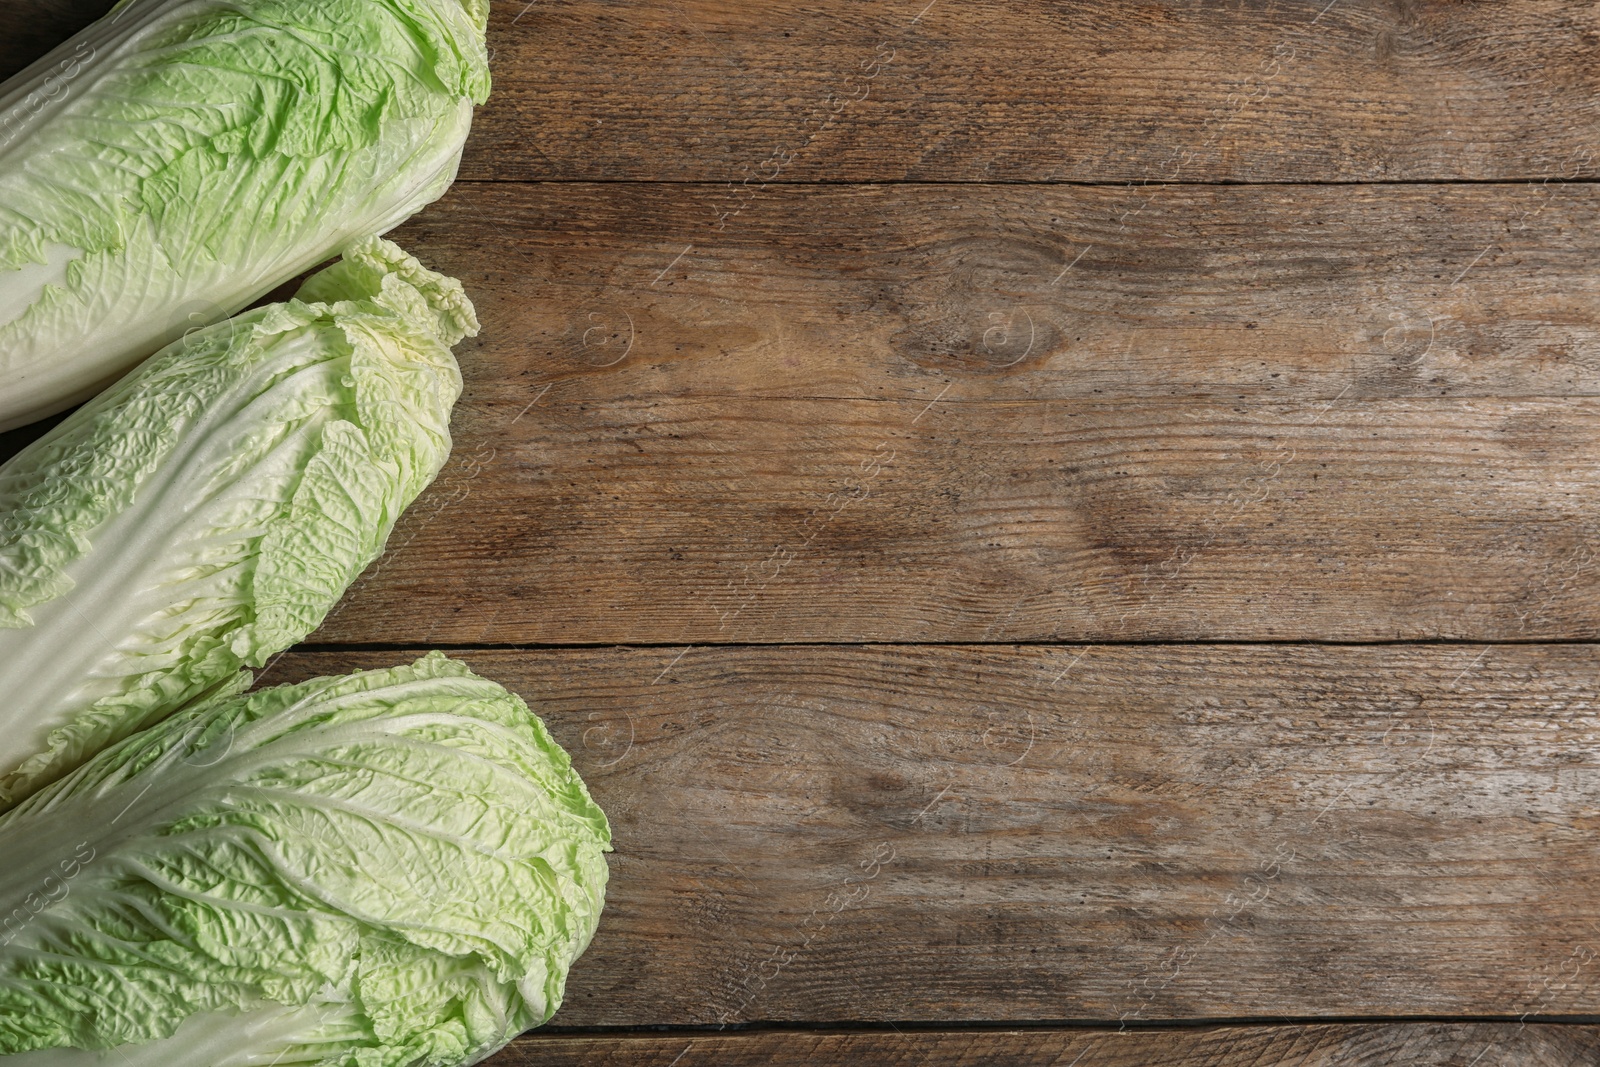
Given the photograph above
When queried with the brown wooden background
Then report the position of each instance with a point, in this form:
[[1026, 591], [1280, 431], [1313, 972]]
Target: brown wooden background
[[1036, 519]]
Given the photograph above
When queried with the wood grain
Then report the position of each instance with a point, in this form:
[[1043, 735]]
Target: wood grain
[[736, 519], [1009, 90], [950, 834], [1025, 292], [866, 414], [1327, 1045]]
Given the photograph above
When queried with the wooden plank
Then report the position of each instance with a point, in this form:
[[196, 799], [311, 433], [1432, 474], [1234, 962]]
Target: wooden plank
[[1025, 292], [1327, 1045], [1269, 90], [726, 520], [1014, 90], [1257, 413], [943, 834]]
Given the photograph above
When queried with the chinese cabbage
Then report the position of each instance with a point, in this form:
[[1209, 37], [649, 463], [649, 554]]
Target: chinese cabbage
[[393, 868], [180, 158], [207, 511]]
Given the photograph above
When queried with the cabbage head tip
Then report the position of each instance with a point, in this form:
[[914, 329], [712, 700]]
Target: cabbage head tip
[[178, 159]]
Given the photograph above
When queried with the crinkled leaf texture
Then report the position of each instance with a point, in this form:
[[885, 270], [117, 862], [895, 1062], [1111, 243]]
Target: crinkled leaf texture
[[207, 511], [180, 158], [394, 868]]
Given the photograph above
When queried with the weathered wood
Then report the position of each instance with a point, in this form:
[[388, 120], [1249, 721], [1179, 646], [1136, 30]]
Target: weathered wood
[[1257, 413], [1327, 1045], [1026, 292], [30, 28], [1006, 834], [1268, 90], [1015, 90], [738, 519]]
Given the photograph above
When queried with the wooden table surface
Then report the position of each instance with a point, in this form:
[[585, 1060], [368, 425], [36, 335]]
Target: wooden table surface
[[1059, 532]]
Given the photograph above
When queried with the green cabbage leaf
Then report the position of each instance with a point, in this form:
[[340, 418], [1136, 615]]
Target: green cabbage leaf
[[207, 511], [178, 159], [393, 868]]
